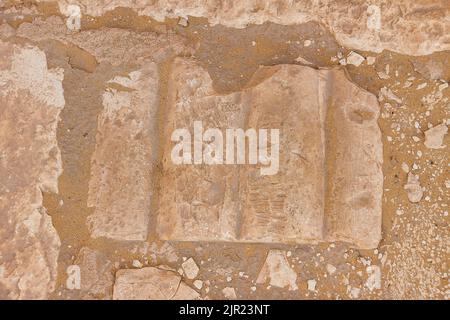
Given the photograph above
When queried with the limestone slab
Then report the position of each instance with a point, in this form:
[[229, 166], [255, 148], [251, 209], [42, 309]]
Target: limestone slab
[[31, 98], [329, 183], [422, 29], [120, 188]]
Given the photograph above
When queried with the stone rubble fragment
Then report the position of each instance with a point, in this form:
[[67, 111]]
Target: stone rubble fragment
[[434, 137], [371, 60], [386, 93], [151, 283], [312, 285], [303, 61], [190, 268], [73, 277], [277, 271], [31, 99], [374, 278], [354, 292], [229, 293], [355, 59], [415, 191], [73, 13], [198, 284], [183, 22], [405, 167], [330, 269]]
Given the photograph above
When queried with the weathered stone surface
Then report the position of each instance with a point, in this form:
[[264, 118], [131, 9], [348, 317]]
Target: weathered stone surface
[[31, 98], [422, 29], [435, 136], [327, 188], [229, 293], [120, 188], [287, 206], [107, 45], [97, 278], [151, 284], [354, 156], [198, 202], [414, 100], [413, 188], [277, 272]]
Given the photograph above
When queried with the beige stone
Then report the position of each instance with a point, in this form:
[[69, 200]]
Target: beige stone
[[151, 284], [107, 45], [422, 29], [96, 272], [229, 293], [413, 188], [329, 183], [435, 136], [31, 98], [277, 272], [198, 284], [120, 188], [190, 268], [355, 59]]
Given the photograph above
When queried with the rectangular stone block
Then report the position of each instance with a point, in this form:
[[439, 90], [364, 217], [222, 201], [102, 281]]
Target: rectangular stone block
[[120, 188], [329, 182], [31, 100]]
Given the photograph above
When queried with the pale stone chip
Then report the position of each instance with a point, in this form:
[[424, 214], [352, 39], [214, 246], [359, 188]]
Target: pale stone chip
[[355, 59], [185, 292], [415, 191], [331, 269], [229, 293], [120, 187], [386, 93], [405, 167], [151, 284], [137, 264], [277, 272], [374, 277], [302, 60], [312, 285], [31, 99], [198, 284], [370, 60], [183, 22], [434, 137], [190, 268], [354, 292]]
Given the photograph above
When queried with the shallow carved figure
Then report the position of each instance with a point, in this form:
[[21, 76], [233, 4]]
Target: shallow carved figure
[[329, 185]]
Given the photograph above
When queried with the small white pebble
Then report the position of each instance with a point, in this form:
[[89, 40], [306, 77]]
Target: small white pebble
[[312, 285]]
